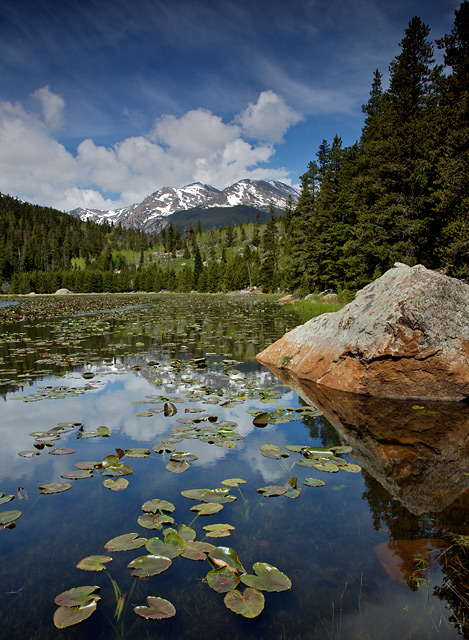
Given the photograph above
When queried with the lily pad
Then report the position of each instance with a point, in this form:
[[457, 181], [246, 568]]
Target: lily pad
[[79, 474], [267, 578], [79, 596], [157, 609], [125, 542], [155, 505], [351, 468], [218, 530], [119, 469], [29, 454], [249, 604], [4, 498], [89, 464], [183, 455], [223, 579], [103, 431], [187, 533], [175, 541], [54, 487], [163, 448], [329, 467], [177, 466], [233, 482], [9, 516], [272, 491], [313, 482], [146, 566], [67, 616], [197, 550], [119, 484], [207, 508], [273, 451], [93, 563], [154, 520], [226, 557], [137, 452], [61, 451]]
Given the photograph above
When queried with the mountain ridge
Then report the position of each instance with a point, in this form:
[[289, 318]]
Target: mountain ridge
[[155, 211]]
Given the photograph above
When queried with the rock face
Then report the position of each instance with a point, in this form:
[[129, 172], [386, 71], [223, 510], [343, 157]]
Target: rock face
[[406, 335]]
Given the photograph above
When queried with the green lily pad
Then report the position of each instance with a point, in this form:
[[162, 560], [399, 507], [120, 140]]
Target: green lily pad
[[233, 482], [29, 454], [313, 482], [183, 455], [79, 474], [296, 448], [274, 452], [4, 498], [119, 469], [174, 540], [291, 490], [61, 451], [223, 579], [342, 449], [67, 616], [261, 419], [351, 468], [267, 578], [146, 566], [218, 530], [163, 448], [125, 542], [119, 484], [103, 431], [157, 609], [9, 516], [157, 547], [207, 508], [177, 466], [249, 604], [54, 487], [93, 563], [155, 505], [272, 491], [89, 464], [79, 596], [186, 532], [154, 520], [197, 550], [137, 452], [226, 557], [329, 467]]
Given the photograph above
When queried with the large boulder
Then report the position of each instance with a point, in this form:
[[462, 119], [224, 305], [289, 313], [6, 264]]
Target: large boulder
[[406, 335]]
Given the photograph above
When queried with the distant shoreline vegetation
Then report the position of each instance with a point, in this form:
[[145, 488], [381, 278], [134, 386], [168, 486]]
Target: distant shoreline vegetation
[[398, 194]]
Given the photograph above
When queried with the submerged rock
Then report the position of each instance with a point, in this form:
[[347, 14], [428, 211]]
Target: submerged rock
[[406, 335]]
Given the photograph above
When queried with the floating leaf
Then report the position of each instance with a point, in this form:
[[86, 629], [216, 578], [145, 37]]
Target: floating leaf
[[218, 530], [157, 547], [157, 609], [351, 468], [329, 467], [249, 604], [137, 452], [342, 449], [187, 533], [272, 451], [119, 469], [4, 498], [103, 431], [163, 448], [197, 550], [119, 484], [155, 505], [177, 466], [9, 516], [313, 482], [54, 487], [61, 451], [78, 596], [233, 482], [296, 448], [125, 542], [29, 454], [226, 557], [183, 455], [267, 578], [67, 616], [272, 491], [79, 474], [207, 508], [88, 465], [174, 540], [154, 520], [93, 563], [222, 579], [146, 566], [291, 490], [262, 419]]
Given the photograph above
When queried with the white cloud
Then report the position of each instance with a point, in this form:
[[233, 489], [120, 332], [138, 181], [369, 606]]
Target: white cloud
[[53, 107], [198, 146], [269, 118]]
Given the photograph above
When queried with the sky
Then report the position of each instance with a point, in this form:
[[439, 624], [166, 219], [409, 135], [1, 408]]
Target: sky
[[102, 102]]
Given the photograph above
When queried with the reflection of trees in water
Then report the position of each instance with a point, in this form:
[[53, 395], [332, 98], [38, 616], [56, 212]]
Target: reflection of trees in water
[[417, 540]]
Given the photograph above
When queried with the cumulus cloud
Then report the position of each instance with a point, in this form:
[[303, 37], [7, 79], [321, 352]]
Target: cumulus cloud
[[53, 107], [198, 146], [269, 118]]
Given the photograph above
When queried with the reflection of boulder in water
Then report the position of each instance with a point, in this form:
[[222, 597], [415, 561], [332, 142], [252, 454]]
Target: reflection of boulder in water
[[418, 452]]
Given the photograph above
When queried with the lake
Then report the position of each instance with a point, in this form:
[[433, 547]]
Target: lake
[[323, 515]]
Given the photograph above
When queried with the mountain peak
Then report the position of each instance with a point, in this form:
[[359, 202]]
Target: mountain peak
[[152, 214]]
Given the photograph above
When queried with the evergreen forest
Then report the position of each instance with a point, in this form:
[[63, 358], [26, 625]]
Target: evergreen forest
[[400, 193]]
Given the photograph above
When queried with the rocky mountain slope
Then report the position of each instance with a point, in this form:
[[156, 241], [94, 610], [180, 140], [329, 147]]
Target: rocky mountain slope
[[154, 212]]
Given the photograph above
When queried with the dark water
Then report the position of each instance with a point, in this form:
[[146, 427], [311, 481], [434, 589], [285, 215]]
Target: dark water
[[373, 554]]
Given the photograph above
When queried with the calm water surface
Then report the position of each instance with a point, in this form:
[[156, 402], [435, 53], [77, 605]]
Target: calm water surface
[[363, 552]]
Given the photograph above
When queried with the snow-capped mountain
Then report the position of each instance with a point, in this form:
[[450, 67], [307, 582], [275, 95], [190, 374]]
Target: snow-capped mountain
[[152, 213]]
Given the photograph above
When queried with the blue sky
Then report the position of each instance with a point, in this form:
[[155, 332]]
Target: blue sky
[[104, 101]]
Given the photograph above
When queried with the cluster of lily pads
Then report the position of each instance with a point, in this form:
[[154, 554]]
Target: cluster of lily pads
[[225, 577]]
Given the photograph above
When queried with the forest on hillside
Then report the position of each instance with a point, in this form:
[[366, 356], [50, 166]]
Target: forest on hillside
[[400, 193]]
